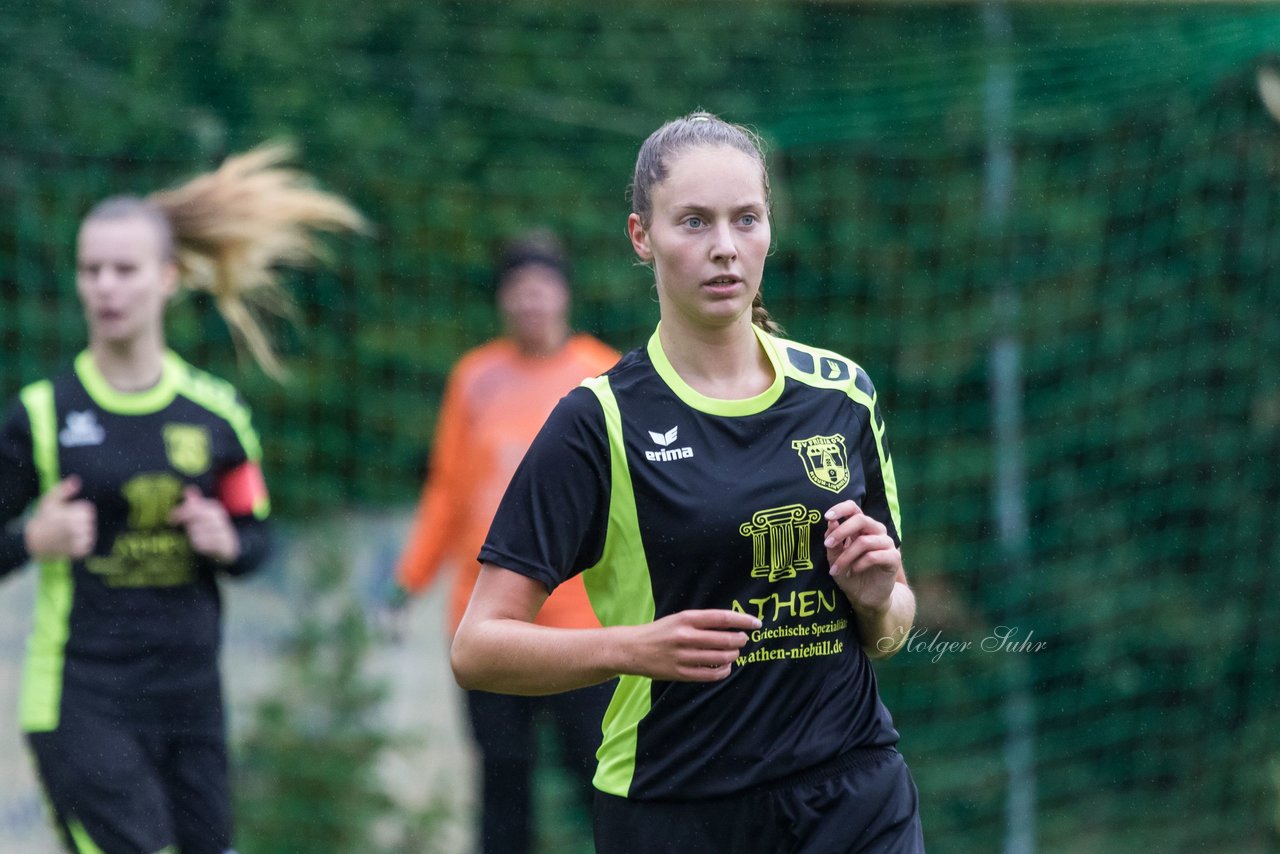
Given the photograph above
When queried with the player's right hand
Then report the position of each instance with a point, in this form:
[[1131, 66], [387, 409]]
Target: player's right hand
[[691, 646], [62, 525]]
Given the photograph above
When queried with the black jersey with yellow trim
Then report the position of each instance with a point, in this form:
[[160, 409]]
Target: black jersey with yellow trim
[[668, 500], [132, 631]]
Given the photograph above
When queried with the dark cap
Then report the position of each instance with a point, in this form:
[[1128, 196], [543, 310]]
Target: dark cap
[[539, 248]]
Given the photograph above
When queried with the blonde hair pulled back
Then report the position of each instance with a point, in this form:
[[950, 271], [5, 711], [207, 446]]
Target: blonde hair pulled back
[[697, 129], [230, 230]]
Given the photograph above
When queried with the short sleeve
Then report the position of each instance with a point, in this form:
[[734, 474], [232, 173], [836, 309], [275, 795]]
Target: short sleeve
[[248, 445], [552, 521], [240, 484], [881, 500], [19, 484], [19, 481]]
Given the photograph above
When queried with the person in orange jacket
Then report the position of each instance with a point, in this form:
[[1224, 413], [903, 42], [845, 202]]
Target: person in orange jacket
[[496, 399]]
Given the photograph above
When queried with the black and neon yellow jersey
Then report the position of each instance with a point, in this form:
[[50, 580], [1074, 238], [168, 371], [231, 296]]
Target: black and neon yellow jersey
[[668, 500], [132, 631]]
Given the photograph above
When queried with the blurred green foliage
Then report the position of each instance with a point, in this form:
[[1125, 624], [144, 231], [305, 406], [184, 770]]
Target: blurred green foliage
[[1141, 243], [308, 766]]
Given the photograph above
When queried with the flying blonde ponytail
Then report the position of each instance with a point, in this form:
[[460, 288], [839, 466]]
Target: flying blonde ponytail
[[233, 227]]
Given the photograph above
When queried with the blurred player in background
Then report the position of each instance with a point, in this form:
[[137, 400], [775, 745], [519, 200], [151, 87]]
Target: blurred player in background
[[496, 399], [147, 488], [729, 499]]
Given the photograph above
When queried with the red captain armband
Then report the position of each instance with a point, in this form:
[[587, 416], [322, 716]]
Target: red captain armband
[[243, 491]]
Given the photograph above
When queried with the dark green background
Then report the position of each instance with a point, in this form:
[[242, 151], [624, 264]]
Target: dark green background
[[1141, 243]]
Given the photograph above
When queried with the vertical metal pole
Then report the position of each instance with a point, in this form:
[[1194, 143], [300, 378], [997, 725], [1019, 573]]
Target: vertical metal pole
[[1007, 431]]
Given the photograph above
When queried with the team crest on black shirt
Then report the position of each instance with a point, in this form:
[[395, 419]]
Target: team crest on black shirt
[[825, 461], [187, 446]]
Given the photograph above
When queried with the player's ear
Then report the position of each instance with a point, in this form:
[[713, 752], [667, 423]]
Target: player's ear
[[639, 237]]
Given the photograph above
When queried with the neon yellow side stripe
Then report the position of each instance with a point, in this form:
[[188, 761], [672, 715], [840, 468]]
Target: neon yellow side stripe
[[85, 845], [41, 700], [80, 839], [37, 398], [621, 593]]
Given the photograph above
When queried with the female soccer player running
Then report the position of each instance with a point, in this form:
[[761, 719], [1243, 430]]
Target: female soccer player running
[[147, 476], [730, 501]]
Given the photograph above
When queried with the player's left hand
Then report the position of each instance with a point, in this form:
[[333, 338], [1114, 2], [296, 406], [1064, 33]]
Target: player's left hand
[[208, 526], [864, 561]]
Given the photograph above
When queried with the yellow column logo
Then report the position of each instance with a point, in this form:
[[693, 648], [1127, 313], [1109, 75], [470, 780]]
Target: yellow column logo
[[151, 498], [151, 553], [780, 541]]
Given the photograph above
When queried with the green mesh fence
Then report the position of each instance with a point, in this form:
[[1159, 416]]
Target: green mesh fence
[[1133, 271]]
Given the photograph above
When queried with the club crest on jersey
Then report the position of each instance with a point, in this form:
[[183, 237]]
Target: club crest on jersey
[[82, 430], [825, 461], [666, 452], [187, 446]]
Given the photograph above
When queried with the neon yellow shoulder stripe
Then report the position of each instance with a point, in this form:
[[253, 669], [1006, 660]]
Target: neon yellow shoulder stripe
[[621, 593], [219, 397], [886, 462], [825, 369], [41, 698]]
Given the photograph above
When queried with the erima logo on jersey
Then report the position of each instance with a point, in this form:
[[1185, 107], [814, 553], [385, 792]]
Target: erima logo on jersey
[[667, 453], [82, 430], [665, 439]]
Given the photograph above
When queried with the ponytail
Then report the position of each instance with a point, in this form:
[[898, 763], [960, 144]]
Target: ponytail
[[760, 316], [229, 230]]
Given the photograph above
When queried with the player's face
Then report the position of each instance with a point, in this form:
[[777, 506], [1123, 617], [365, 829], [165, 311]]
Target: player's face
[[534, 303], [123, 278], [708, 236]]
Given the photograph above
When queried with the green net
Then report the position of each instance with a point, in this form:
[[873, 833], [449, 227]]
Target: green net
[[1128, 258]]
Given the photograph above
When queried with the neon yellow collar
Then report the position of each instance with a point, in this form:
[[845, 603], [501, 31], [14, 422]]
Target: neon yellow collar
[[715, 405], [145, 402]]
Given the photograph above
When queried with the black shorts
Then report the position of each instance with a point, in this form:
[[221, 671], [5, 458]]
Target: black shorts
[[121, 791], [865, 801]]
